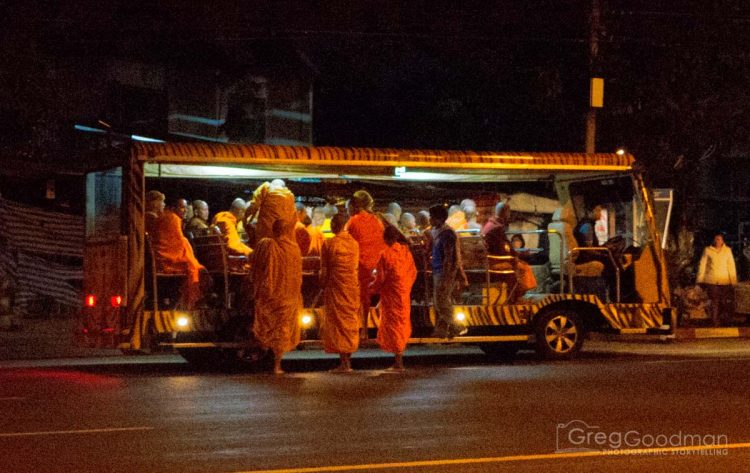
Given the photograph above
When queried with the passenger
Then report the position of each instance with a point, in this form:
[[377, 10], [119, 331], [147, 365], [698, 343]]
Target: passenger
[[227, 222], [390, 219], [718, 273], [423, 221], [456, 218], [499, 219], [340, 282], [497, 244], [446, 269], [517, 242], [394, 209], [408, 224], [199, 222], [395, 277], [181, 209], [301, 236], [172, 251], [367, 230], [271, 201], [469, 208], [329, 210], [277, 292], [315, 234]]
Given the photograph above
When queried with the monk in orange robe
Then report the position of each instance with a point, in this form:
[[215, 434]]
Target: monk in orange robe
[[277, 291], [367, 230], [227, 222], [272, 201], [339, 278], [396, 275], [317, 240], [172, 251]]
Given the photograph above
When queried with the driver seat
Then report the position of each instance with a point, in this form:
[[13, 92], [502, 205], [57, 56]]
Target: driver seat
[[562, 248]]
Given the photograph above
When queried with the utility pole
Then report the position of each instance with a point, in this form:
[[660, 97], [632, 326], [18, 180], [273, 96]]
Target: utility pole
[[596, 85]]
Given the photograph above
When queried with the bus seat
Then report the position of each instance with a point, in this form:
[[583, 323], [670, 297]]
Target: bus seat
[[562, 223], [163, 285]]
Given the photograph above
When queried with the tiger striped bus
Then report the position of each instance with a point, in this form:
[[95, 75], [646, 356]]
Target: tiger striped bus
[[548, 192]]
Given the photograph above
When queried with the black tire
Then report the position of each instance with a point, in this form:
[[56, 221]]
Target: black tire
[[500, 351], [559, 334]]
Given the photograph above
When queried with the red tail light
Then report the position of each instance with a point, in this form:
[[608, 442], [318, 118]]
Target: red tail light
[[90, 300], [116, 301]]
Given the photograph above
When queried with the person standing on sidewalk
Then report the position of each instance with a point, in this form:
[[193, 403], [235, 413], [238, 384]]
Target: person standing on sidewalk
[[718, 273]]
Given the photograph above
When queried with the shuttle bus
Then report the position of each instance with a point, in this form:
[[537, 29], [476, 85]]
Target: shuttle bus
[[548, 193]]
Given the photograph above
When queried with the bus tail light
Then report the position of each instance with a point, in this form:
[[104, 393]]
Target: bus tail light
[[116, 301], [90, 300]]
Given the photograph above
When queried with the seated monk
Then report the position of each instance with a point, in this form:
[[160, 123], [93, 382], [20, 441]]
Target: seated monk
[[172, 251], [227, 223]]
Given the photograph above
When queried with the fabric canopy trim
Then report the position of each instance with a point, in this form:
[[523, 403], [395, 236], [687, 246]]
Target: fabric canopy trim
[[205, 153]]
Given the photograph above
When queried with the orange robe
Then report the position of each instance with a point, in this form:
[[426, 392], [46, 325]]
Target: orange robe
[[302, 238], [340, 325], [367, 230], [277, 290], [396, 275], [227, 223], [272, 205], [172, 251], [316, 241]]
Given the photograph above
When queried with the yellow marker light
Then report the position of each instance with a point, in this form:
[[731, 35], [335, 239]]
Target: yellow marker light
[[306, 320], [183, 321], [460, 317]]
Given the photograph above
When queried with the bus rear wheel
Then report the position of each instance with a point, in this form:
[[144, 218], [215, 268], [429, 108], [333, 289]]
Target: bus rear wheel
[[559, 334]]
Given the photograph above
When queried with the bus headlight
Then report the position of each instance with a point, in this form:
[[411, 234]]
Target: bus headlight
[[460, 317]]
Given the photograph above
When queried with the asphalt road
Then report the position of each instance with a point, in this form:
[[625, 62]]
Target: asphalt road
[[451, 411]]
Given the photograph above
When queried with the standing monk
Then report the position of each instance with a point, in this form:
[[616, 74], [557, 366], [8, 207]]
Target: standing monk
[[367, 230], [227, 222], [339, 261], [172, 251], [271, 201], [396, 275], [277, 291]]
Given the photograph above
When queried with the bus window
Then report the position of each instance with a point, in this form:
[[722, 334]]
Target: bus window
[[103, 203]]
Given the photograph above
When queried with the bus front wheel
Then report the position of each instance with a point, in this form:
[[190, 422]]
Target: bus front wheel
[[559, 334]]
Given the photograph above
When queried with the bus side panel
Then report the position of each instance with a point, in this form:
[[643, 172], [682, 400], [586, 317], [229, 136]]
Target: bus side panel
[[104, 264], [133, 226]]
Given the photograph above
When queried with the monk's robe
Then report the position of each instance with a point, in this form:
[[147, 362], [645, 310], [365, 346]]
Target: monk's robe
[[316, 241], [302, 238], [457, 221], [396, 275], [227, 223], [271, 205], [367, 230], [172, 251], [277, 291], [340, 325]]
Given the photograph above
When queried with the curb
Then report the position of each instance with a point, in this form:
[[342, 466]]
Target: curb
[[713, 332]]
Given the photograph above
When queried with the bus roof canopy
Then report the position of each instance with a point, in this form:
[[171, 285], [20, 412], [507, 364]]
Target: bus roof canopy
[[264, 161]]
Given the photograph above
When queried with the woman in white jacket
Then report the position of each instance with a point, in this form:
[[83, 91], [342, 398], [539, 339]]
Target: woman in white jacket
[[718, 274]]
